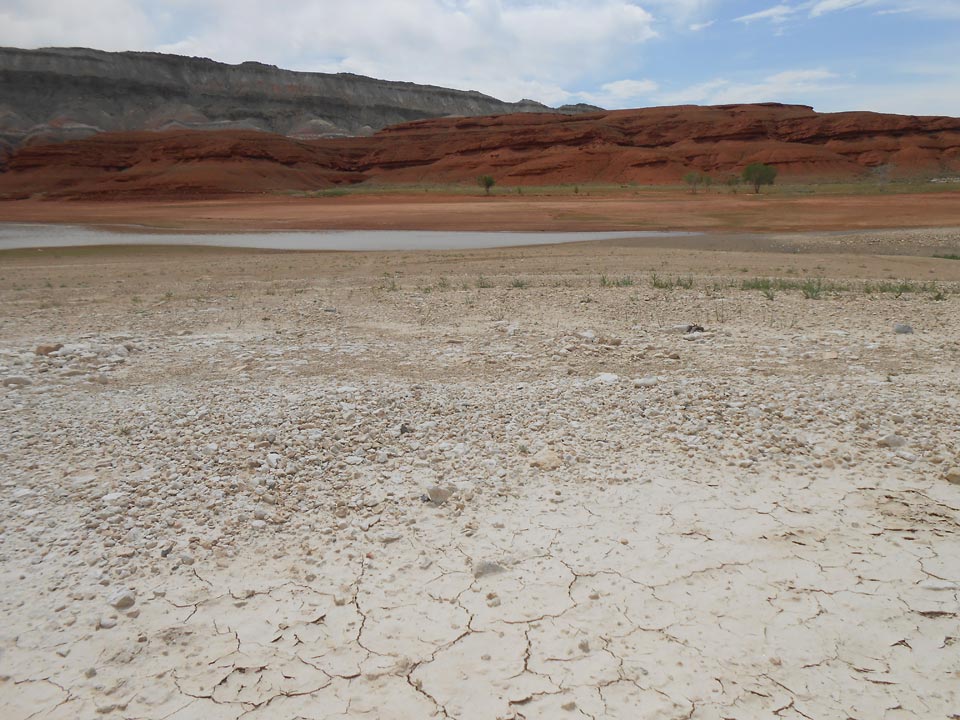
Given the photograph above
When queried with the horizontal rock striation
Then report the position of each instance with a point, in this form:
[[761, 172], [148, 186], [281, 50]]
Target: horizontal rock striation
[[648, 146], [57, 94]]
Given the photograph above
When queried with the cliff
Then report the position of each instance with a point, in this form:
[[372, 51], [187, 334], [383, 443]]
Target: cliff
[[648, 146], [58, 94]]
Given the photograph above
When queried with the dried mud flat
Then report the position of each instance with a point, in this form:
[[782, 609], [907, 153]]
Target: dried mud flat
[[479, 485]]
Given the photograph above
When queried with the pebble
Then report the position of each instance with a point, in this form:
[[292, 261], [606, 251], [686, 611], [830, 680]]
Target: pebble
[[487, 567], [903, 329], [953, 475], [106, 623], [646, 382], [17, 381], [438, 495], [123, 599], [892, 441]]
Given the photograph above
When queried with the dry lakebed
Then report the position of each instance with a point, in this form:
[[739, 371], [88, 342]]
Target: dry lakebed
[[616, 480]]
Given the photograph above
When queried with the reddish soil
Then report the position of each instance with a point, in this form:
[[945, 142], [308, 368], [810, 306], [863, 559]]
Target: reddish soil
[[651, 210], [651, 146]]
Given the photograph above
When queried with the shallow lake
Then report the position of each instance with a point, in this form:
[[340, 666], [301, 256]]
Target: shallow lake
[[16, 236]]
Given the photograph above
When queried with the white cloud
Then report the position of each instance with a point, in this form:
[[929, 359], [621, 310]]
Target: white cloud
[[826, 6], [507, 48], [106, 24], [794, 86], [775, 14], [622, 94], [697, 27], [778, 14]]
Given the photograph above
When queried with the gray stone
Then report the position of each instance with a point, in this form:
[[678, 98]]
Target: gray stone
[[17, 381], [893, 441], [487, 567], [438, 495]]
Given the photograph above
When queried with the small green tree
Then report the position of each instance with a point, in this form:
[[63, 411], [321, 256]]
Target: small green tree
[[758, 174], [693, 179], [486, 182], [733, 182], [707, 182]]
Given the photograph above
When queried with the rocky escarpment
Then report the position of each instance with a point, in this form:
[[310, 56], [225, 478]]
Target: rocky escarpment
[[651, 146], [57, 94], [657, 145]]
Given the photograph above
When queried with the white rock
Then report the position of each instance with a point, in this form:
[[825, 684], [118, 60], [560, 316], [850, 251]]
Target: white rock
[[646, 382], [939, 585], [892, 441], [123, 599]]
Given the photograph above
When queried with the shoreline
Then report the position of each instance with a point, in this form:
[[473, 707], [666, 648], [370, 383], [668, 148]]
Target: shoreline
[[650, 212]]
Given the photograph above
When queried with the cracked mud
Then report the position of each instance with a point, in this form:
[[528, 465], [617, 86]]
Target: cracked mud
[[260, 485]]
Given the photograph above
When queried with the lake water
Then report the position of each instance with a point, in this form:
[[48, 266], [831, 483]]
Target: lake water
[[16, 236]]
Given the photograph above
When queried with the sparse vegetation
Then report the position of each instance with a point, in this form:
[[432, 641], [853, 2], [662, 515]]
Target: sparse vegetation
[[625, 281], [812, 289], [486, 182], [669, 283], [519, 283], [483, 282], [758, 174], [693, 180]]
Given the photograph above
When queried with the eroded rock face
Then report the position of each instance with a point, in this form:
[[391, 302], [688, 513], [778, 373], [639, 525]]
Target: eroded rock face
[[649, 146], [57, 94], [659, 145]]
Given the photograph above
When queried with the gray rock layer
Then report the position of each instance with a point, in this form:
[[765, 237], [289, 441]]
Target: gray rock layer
[[56, 94]]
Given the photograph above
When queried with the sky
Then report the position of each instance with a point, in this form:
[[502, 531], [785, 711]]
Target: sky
[[898, 56]]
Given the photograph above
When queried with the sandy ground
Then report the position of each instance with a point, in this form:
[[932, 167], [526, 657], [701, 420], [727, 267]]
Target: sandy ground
[[482, 484], [642, 210]]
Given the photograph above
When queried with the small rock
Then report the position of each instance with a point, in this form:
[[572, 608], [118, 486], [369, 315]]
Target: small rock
[[487, 567], [893, 441], [953, 475], [438, 495], [389, 536], [106, 623], [607, 379], [17, 381], [47, 348], [646, 382], [546, 459], [902, 329], [940, 585], [123, 599]]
